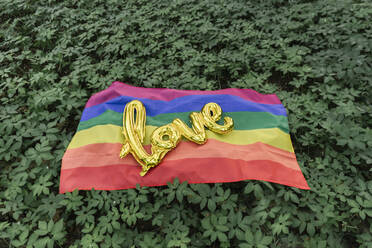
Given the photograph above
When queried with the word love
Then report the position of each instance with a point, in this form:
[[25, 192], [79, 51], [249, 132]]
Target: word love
[[166, 138]]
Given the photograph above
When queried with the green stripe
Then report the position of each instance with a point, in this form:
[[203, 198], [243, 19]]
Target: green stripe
[[242, 120]]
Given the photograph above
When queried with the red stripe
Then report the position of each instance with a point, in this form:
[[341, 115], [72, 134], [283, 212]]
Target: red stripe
[[208, 170], [120, 89], [102, 154]]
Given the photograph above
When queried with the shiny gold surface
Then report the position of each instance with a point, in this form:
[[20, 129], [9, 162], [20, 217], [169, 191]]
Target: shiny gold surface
[[166, 138]]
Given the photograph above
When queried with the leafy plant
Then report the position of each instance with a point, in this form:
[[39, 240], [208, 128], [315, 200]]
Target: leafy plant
[[315, 55]]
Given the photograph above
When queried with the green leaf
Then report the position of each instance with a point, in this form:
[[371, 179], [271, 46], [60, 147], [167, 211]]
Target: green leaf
[[222, 237], [211, 205], [310, 229]]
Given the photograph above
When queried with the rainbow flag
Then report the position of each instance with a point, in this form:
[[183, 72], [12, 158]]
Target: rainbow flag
[[258, 148]]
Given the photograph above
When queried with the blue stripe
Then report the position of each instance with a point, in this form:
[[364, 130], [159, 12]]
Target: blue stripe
[[228, 103]]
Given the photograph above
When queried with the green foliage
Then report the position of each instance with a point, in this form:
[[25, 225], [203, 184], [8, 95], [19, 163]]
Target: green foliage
[[316, 55]]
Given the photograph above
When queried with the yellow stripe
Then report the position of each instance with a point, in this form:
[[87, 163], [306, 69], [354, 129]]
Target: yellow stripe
[[112, 134]]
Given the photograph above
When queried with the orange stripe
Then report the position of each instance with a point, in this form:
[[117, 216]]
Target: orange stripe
[[102, 154]]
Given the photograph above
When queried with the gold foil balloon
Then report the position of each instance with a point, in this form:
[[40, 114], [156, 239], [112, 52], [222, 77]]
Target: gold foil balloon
[[166, 138]]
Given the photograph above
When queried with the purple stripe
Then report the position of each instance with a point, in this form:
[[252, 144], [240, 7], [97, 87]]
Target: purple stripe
[[117, 89]]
